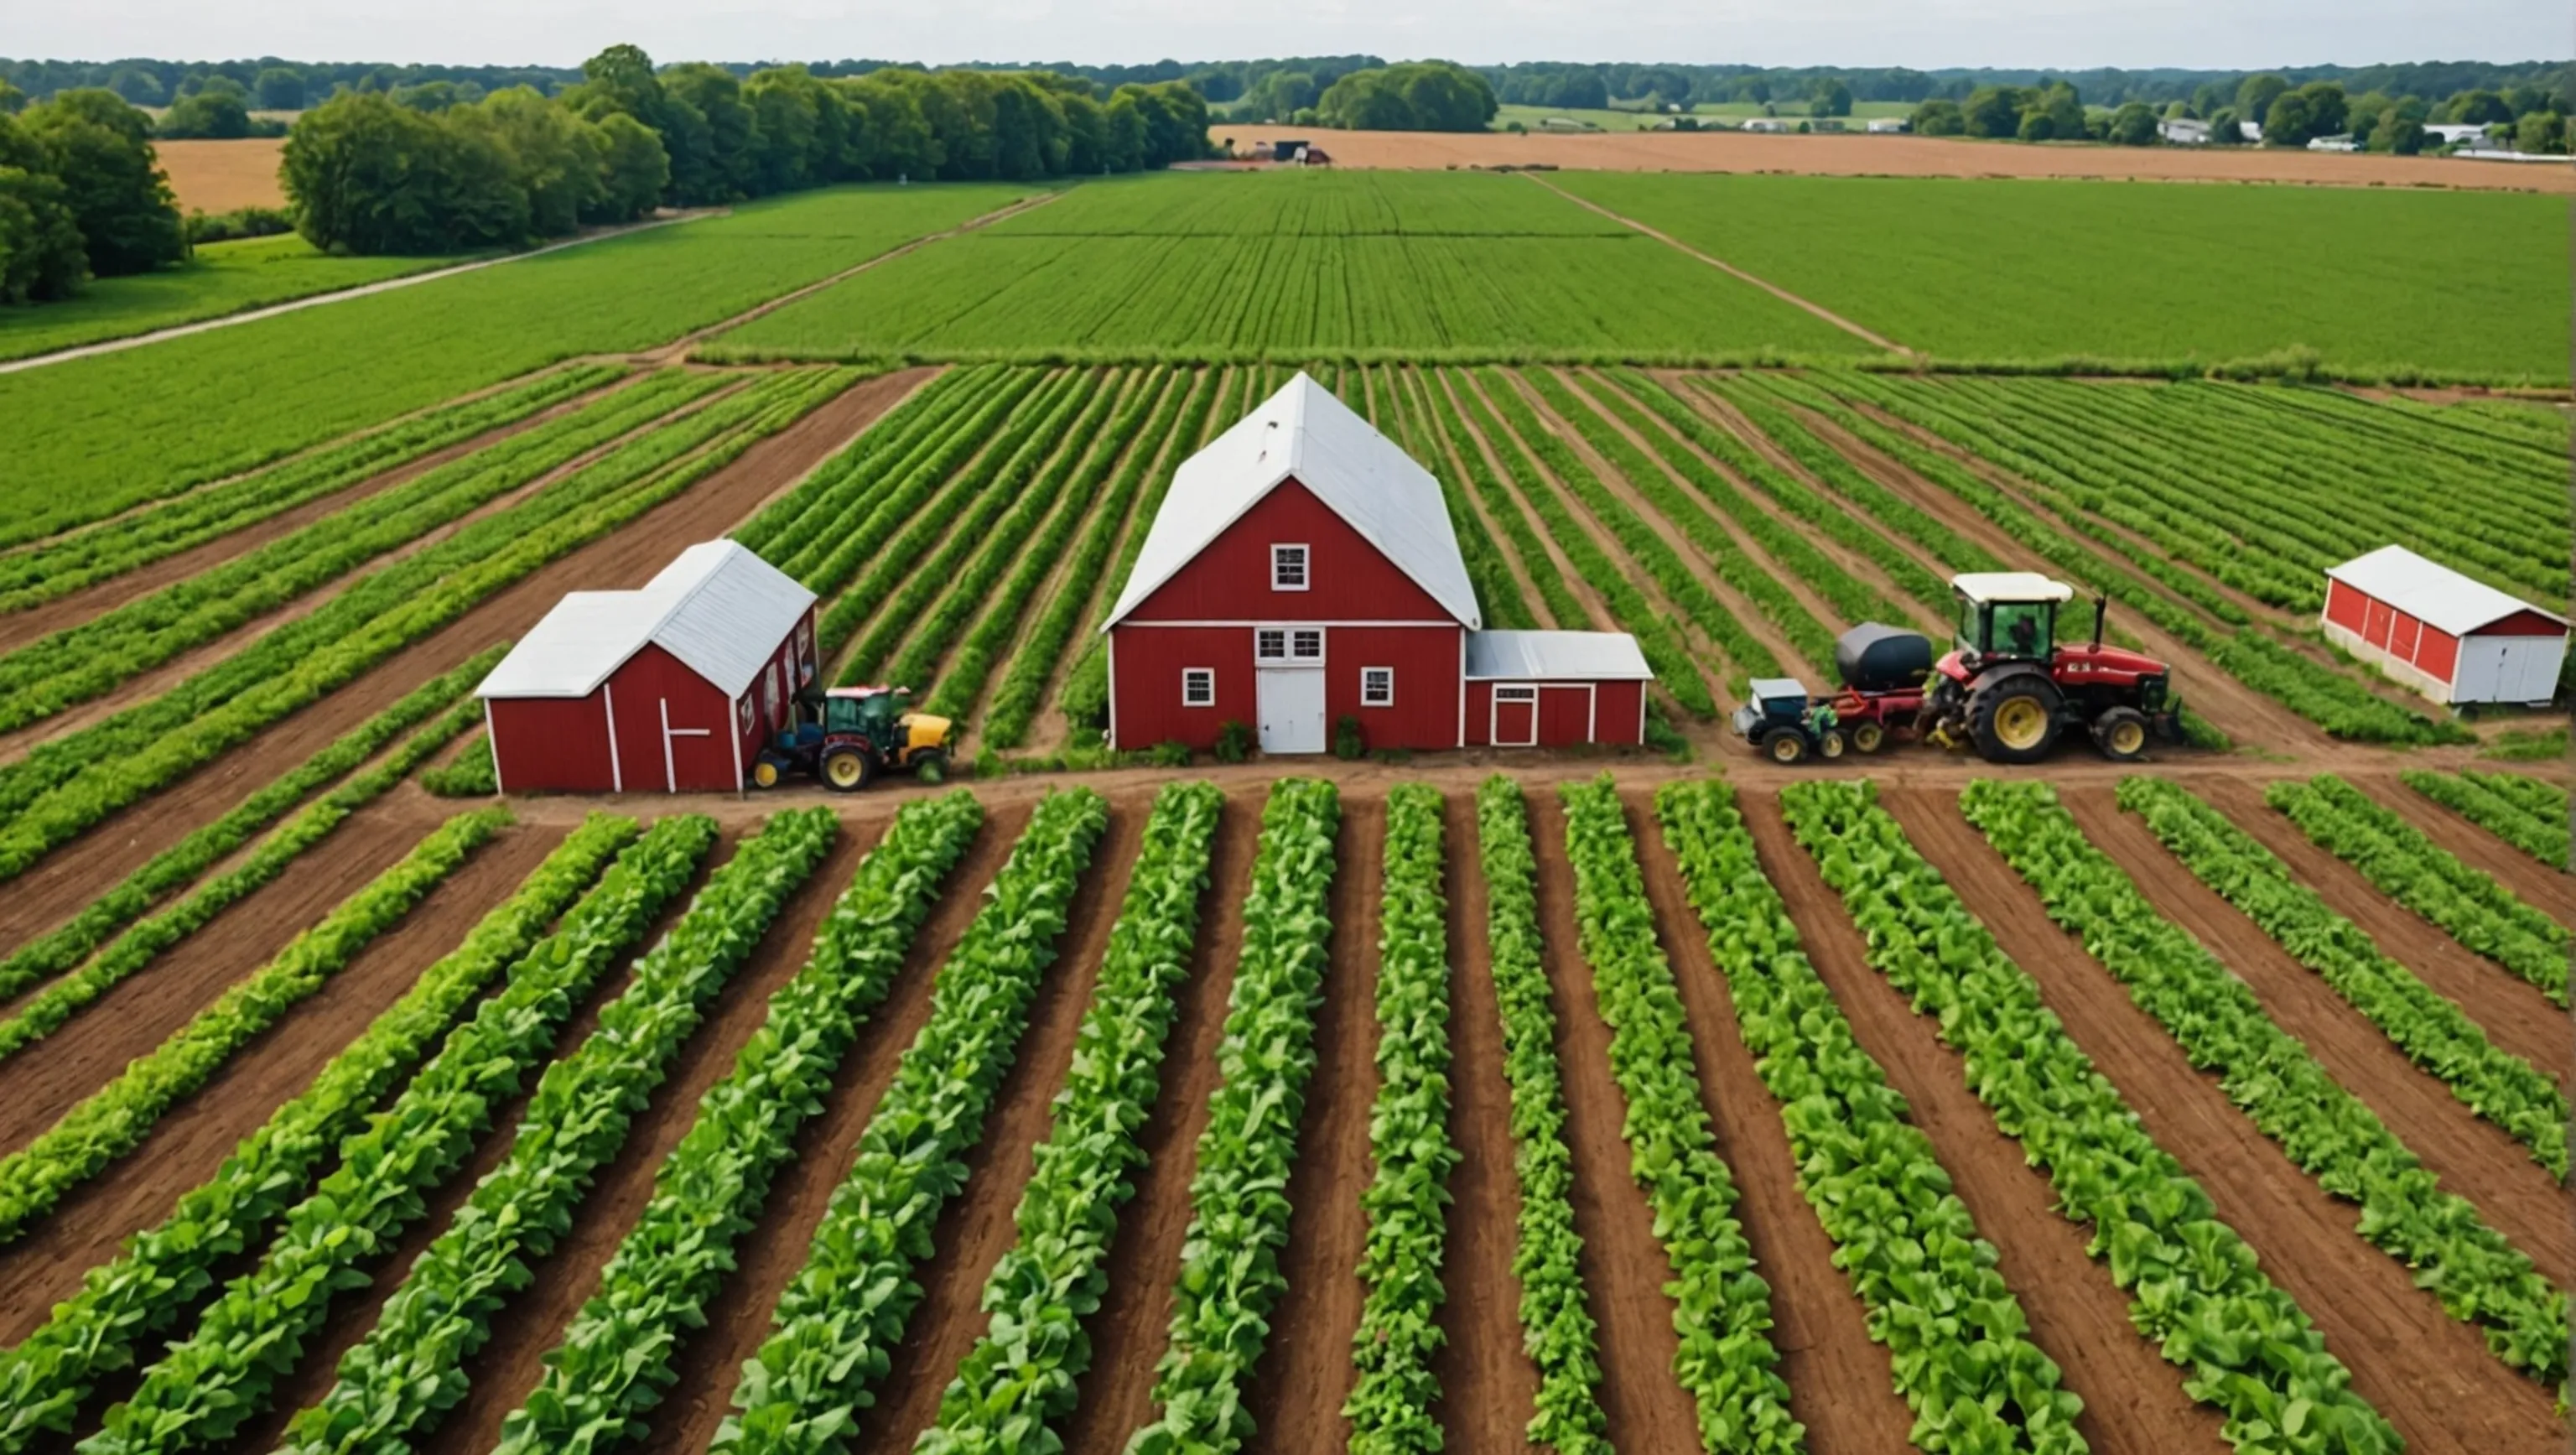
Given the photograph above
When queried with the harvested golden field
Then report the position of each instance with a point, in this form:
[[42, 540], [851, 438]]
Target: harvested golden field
[[218, 176]]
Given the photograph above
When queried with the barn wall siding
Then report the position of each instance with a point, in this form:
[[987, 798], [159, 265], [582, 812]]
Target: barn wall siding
[[1620, 715], [650, 680], [1350, 580], [553, 744]]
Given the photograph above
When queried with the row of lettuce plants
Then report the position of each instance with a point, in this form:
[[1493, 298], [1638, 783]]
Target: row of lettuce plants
[[806, 514], [2487, 800]]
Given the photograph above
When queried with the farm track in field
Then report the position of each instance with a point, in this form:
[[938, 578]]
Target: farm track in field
[[21, 627], [2514, 1014], [196, 659], [2473, 1157], [2429, 1374], [1115, 1396], [2134, 1401], [1840, 1383], [710, 1359], [72, 875], [979, 1224], [2548, 890], [1623, 1261], [1297, 1391], [1488, 1386], [189, 1142]]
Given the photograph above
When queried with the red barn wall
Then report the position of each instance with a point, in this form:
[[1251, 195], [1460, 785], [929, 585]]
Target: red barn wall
[[2402, 633], [2438, 653], [1146, 682], [1620, 714], [2523, 624], [1563, 708], [553, 744], [2345, 607], [1351, 580], [651, 680]]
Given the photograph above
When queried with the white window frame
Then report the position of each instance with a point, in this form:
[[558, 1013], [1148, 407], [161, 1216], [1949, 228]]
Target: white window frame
[[1260, 652], [1387, 699], [1206, 675], [1305, 565], [1298, 658]]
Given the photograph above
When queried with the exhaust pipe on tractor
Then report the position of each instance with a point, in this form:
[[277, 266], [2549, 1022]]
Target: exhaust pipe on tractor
[[2101, 614]]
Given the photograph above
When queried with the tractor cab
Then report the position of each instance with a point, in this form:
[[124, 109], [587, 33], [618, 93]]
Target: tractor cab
[[1785, 723], [2007, 616], [847, 735]]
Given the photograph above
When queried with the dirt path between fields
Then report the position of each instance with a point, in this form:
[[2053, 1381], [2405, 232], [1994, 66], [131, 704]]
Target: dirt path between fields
[[1868, 336], [1841, 1385], [342, 295], [2428, 1373], [2133, 1400], [1114, 1397], [2473, 1157]]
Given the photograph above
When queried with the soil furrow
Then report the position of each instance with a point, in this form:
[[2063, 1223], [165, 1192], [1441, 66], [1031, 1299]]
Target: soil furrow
[[2543, 888]]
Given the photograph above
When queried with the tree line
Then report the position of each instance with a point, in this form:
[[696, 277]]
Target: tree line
[[81, 196], [2283, 114]]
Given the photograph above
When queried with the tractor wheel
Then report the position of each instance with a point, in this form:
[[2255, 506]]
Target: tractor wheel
[[2014, 720], [2121, 734], [847, 770], [931, 766], [1830, 743], [1785, 745], [1868, 737], [764, 773]]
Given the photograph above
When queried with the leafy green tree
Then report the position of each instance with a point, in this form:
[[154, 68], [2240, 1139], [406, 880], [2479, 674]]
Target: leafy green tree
[[2479, 108], [555, 158], [12, 100], [2133, 125], [633, 170], [1993, 111], [1830, 98], [2398, 134], [2206, 98], [280, 88], [1581, 89], [137, 86], [725, 165], [437, 95], [2329, 112], [1415, 96], [2255, 95], [1755, 90], [2540, 132], [41, 257], [2222, 128], [2289, 123], [214, 115], [101, 150], [369, 176], [1939, 117]]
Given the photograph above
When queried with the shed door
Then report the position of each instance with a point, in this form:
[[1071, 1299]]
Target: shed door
[[1291, 701], [1565, 714], [2482, 674], [1515, 717], [2530, 669]]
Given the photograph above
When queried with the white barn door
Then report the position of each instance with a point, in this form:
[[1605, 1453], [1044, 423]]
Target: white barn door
[[1291, 701]]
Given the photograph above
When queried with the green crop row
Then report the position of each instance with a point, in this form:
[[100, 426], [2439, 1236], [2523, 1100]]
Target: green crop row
[[817, 550], [144, 942], [2467, 903], [72, 782], [963, 678], [1721, 1307], [394, 1383], [1230, 1278], [1561, 601], [474, 773], [225, 1369], [807, 511], [2531, 795], [905, 504], [2434, 1033], [1017, 701], [113, 1120], [1019, 1378], [2333, 1136], [173, 868], [1957, 1337], [1557, 1331], [976, 506], [58, 567], [162, 1270], [82, 662], [2485, 799], [2245, 1347], [845, 1310], [1496, 590], [614, 1362], [1764, 392], [1407, 1201], [1662, 645]]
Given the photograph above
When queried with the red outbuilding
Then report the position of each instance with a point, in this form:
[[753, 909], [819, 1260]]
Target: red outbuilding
[[674, 687], [2449, 637], [1303, 569]]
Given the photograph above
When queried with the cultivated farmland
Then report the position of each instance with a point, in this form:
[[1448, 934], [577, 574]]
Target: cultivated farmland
[[1122, 1105]]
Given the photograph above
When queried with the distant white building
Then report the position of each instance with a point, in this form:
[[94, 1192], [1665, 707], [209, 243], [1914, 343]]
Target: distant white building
[[2250, 130], [2456, 133], [1882, 125], [1766, 123], [2341, 143], [2184, 132]]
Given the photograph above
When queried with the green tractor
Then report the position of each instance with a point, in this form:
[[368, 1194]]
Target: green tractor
[[849, 735]]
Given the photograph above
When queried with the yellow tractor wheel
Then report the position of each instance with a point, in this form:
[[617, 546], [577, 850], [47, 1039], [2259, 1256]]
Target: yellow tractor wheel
[[764, 774], [847, 770]]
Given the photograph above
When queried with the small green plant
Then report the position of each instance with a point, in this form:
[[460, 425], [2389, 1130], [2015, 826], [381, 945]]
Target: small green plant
[[472, 774], [1233, 742], [1169, 755], [1350, 740]]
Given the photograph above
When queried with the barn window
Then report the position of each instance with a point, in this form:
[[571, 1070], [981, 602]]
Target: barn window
[[1306, 644], [1198, 687], [769, 692], [1270, 644], [1377, 687], [1287, 568]]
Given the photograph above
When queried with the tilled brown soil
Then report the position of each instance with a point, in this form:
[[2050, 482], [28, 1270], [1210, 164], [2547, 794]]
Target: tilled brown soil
[[2545, 889], [2430, 1374]]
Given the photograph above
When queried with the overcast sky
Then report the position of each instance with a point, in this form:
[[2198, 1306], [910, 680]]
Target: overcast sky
[[2058, 34]]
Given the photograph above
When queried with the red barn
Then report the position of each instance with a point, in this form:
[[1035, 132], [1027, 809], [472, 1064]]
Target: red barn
[[673, 687], [1303, 569], [2449, 637]]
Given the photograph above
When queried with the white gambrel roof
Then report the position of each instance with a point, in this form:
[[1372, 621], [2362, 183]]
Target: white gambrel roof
[[2429, 591], [718, 608], [1546, 656], [1303, 431]]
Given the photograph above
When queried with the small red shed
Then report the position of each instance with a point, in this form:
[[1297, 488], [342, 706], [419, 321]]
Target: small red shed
[[673, 687], [1303, 569], [2449, 637], [1555, 689]]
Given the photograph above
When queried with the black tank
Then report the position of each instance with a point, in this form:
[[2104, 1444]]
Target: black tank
[[1876, 657]]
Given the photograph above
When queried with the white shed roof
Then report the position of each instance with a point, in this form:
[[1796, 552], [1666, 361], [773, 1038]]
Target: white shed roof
[[718, 608], [1360, 474], [2429, 591], [1547, 656]]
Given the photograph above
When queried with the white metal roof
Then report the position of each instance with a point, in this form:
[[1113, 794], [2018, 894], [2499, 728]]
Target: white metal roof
[[1361, 475], [1764, 689], [1543, 656], [2429, 591], [718, 608], [2011, 586]]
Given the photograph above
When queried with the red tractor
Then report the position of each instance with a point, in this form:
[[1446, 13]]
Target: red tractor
[[2011, 689]]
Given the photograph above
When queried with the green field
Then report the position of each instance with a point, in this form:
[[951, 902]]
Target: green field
[[2467, 282], [132, 426], [1292, 264], [229, 277]]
